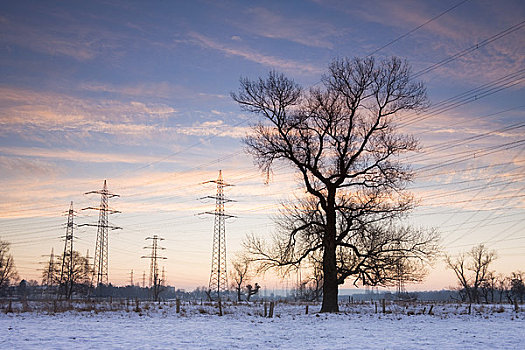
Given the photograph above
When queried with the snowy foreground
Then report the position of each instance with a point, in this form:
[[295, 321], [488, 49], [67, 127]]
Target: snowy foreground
[[152, 326]]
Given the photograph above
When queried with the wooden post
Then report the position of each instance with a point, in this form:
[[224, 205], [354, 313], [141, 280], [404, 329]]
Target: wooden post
[[469, 308], [265, 309], [270, 314], [306, 311], [220, 308], [177, 303], [375, 303], [430, 312], [383, 304]]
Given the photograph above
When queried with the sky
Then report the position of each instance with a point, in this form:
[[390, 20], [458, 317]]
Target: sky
[[138, 93]]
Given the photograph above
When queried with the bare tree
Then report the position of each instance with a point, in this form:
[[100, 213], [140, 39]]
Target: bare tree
[[75, 276], [489, 287], [240, 274], [517, 287], [8, 272], [342, 140], [472, 270], [252, 290]]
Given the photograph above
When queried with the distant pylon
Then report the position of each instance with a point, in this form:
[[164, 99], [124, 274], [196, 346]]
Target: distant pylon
[[66, 272], [48, 276], [143, 279], [163, 279], [100, 263], [131, 278], [218, 276], [154, 281]]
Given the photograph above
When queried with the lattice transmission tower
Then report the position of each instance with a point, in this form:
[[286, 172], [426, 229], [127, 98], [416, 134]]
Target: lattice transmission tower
[[154, 280], [218, 276], [47, 279], [66, 271], [100, 263]]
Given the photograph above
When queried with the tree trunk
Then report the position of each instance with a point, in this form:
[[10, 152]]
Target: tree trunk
[[330, 286]]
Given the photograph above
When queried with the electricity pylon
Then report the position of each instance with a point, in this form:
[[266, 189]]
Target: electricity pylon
[[66, 272], [154, 281], [48, 276], [100, 263], [218, 276]]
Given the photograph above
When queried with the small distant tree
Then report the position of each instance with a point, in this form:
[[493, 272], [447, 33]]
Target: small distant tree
[[517, 287], [489, 287], [472, 270], [75, 274], [503, 287], [252, 290], [240, 274], [8, 273]]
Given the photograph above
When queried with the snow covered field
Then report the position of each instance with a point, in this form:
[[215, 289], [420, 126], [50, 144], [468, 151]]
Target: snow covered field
[[243, 327]]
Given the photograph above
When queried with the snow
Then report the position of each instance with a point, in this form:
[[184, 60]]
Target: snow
[[242, 327]]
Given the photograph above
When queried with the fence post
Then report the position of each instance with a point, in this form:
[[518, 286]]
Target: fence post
[[177, 302], [270, 314]]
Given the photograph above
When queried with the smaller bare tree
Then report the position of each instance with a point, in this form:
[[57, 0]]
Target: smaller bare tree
[[472, 270], [517, 287], [489, 287], [252, 290], [240, 274], [8, 272], [75, 276]]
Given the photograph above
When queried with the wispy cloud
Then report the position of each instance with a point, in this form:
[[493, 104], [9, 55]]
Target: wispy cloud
[[251, 55], [76, 156], [214, 128], [22, 110], [308, 32], [163, 89]]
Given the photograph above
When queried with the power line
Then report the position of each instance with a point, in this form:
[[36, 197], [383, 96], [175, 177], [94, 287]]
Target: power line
[[475, 47], [416, 28]]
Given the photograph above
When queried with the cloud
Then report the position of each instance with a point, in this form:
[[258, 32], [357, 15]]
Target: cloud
[[16, 167], [76, 156], [250, 55], [23, 111], [214, 128], [161, 89], [60, 42], [268, 24]]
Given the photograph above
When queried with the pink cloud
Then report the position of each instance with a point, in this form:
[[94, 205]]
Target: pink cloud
[[250, 55]]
